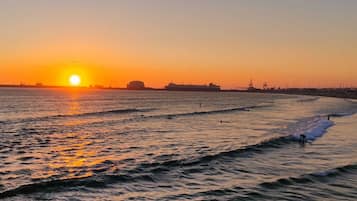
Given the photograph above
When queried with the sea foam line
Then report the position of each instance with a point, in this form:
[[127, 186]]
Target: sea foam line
[[313, 129]]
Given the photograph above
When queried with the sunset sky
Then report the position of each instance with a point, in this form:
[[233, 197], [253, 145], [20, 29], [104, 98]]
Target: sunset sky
[[288, 43]]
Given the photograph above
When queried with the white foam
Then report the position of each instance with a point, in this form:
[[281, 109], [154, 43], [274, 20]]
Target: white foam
[[313, 129]]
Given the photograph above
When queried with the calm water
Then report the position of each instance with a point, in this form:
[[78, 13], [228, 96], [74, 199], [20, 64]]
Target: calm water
[[59, 144]]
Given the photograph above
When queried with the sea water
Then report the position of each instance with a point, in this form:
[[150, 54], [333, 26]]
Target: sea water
[[87, 144]]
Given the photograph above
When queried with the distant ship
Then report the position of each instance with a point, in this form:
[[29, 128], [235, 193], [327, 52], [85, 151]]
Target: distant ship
[[190, 87], [251, 87]]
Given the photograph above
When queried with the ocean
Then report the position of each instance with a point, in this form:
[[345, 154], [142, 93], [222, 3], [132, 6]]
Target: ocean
[[87, 144]]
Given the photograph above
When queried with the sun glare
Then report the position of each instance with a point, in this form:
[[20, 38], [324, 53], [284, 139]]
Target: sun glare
[[74, 80]]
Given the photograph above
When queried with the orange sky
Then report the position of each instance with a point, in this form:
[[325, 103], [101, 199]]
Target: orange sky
[[287, 44]]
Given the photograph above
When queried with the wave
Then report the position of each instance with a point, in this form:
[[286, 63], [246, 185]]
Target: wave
[[120, 111], [55, 185], [107, 112], [310, 177], [353, 101], [343, 114], [170, 116], [58, 185], [260, 190], [102, 181], [146, 171], [313, 128], [135, 110], [143, 117], [308, 99], [140, 117], [241, 152]]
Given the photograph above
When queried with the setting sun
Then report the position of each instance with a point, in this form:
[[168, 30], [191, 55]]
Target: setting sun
[[177, 100], [74, 80]]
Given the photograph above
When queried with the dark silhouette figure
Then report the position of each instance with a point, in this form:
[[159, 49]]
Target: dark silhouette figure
[[302, 139]]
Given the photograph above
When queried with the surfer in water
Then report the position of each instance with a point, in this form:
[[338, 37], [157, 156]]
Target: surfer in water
[[302, 139]]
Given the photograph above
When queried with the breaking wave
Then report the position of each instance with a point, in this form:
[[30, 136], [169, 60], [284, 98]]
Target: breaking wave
[[313, 128]]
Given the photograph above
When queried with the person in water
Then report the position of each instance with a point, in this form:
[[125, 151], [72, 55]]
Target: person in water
[[302, 139]]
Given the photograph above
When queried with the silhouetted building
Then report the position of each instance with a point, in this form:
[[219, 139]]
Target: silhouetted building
[[135, 85], [183, 87]]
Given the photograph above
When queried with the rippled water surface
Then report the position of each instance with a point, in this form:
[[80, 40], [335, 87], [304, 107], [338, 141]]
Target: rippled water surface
[[78, 144]]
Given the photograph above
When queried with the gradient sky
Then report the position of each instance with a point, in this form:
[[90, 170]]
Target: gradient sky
[[288, 43]]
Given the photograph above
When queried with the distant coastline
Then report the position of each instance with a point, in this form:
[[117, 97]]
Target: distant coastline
[[350, 93], [71, 87]]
